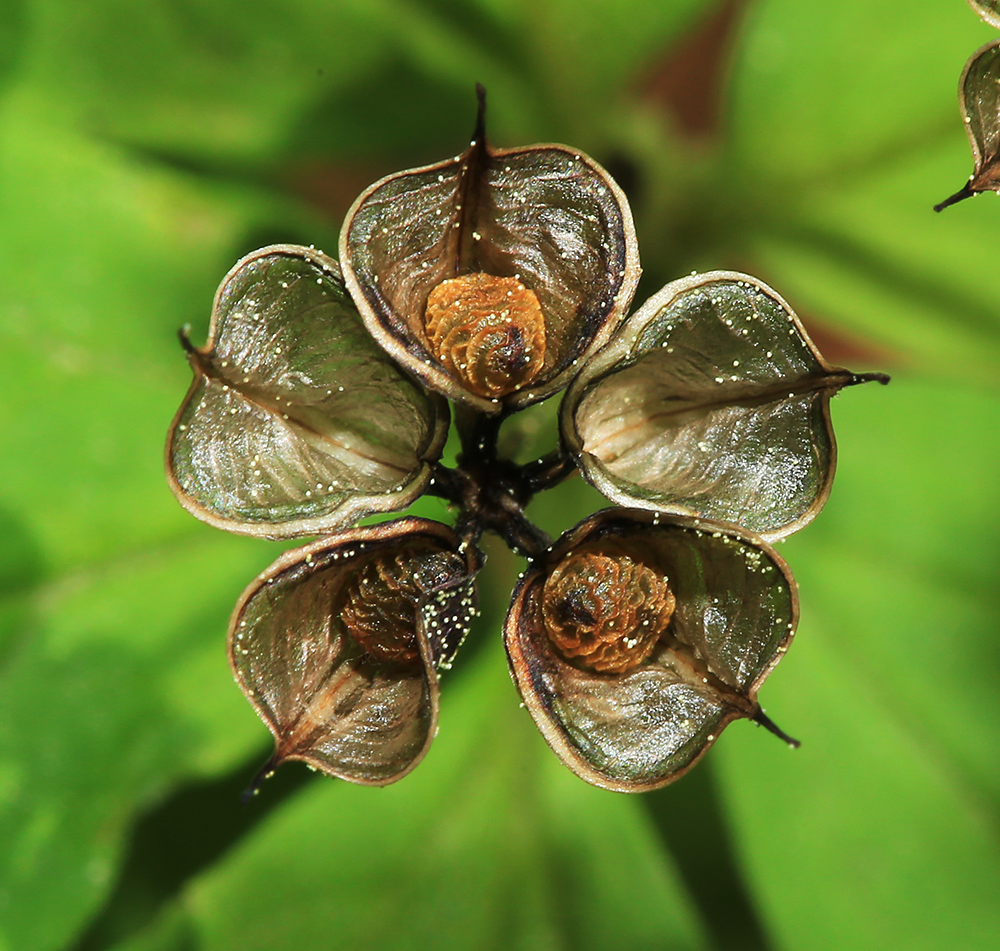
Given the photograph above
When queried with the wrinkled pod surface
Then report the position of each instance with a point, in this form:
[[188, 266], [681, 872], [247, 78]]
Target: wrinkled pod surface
[[491, 275], [338, 646], [639, 637]]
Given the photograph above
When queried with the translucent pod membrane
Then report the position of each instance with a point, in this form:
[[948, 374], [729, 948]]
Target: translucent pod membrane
[[545, 220], [338, 645], [979, 102], [297, 422], [989, 10], [701, 612], [710, 401]]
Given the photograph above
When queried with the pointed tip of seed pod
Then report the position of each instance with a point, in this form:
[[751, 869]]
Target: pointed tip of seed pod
[[858, 378], [966, 191], [479, 132], [265, 772], [762, 719], [184, 335]]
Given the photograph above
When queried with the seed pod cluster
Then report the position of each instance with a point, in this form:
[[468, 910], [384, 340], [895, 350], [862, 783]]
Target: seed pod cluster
[[494, 279], [604, 610], [489, 331]]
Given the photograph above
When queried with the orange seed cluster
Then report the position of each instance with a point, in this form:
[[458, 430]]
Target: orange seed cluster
[[605, 611], [488, 331]]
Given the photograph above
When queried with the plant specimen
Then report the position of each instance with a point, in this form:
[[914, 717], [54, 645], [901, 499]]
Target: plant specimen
[[489, 282]]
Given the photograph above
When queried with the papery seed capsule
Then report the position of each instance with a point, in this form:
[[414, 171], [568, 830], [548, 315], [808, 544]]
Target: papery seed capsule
[[604, 610], [488, 331]]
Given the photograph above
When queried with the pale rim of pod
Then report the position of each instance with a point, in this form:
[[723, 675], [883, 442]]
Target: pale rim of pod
[[520, 665], [989, 11], [349, 510], [985, 169], [435, 376], [977, 154], [620, 349], [363, 539]]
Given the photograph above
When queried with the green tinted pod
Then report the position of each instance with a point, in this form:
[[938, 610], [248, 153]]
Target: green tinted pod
[[979, 102], [492, 274], [297, 422], [989, 10], [338, 646], [711, 401], [638, 637]]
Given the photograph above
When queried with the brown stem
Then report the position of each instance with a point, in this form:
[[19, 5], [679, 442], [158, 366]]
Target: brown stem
[[547, 472]]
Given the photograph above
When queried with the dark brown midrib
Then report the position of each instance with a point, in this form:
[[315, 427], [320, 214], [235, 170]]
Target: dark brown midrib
[[769, 394], [206, 365]]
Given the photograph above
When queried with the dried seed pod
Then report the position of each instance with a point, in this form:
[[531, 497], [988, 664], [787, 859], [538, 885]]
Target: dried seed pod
[[297, 422], [604, 609], [711, 401], [546, 216], [733, 615], [989, 10], [488, 331], [979, 101], [337, 645]]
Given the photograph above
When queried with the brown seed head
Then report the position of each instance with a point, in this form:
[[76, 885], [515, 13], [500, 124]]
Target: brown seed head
[[488, 331], [605, 610], [378, 607]]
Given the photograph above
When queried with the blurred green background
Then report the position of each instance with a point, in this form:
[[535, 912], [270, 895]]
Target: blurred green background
[[145, 146]]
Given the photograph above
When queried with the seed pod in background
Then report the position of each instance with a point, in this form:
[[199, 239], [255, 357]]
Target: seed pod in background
[[710, 401], [693, 614], [338, 645], [989, 10], [979, 102], [297, 422], [492, 274]]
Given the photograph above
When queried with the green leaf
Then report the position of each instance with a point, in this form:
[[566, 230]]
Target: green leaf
[[113, 617], [490, 844], [872, 258], [841, 114], [202, 79], [839, 170], [889, 807], [585, 52], [115, 689], [107, 259]]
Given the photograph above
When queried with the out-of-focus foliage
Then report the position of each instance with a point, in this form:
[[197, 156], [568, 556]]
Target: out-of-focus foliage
[[145, 147]]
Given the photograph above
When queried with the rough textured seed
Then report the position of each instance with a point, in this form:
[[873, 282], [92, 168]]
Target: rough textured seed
[[379, 606], [604, 610], [488, 331]]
